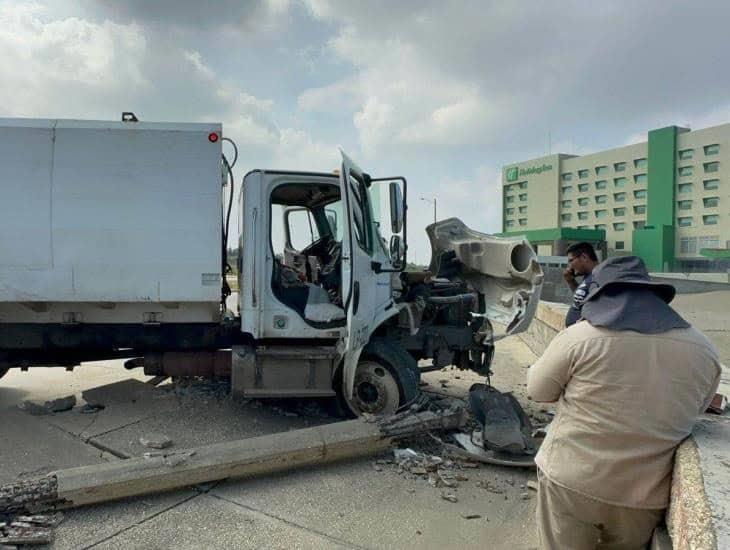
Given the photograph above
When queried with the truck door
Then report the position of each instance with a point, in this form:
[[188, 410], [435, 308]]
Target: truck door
[[359, 281]]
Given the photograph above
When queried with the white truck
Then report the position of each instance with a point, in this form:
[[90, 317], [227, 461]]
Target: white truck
[[113, 244]]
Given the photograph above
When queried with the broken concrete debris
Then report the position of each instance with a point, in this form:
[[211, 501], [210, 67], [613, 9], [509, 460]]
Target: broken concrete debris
[[28, 529], [449, 497], [55, 406], [88, 408], [155, 441]]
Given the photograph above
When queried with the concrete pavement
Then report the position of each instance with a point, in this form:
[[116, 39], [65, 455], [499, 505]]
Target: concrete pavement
[[358, 504]]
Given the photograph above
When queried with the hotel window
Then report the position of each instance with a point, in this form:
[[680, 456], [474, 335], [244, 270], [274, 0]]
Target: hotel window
[[688, 245], [600, 226], [523, 209], [509, 211], [640, 209], [711, 241], [509, 199], [712, 149], [619, 245], [711, 202], [640, 179], [684, 222], [686, 154], [619, 182], [568, 176], [711, 185], [712, 219], [566, 204], [601, 199], [582, 215], [684, 205], [601, 213], [639, 224], [523, 197], [619, 166], [582, 187], [620, 226], [711, 167], [523, 221], [619, 211], [601, 184], [566, 190], [600, 170], [640, 163], [583, 173], [522, 185], [684, 188], [565, 217], [619, 197], [509, 223], [686, 170], [583, 201], [640, 194]]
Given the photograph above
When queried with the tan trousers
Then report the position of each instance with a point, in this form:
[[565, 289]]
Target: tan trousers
[[567, 520]]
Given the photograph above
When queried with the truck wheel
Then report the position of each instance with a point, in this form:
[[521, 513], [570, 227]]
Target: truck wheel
[[386, 379]]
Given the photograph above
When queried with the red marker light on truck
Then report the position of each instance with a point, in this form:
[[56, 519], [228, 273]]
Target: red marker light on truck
[[212, 137]]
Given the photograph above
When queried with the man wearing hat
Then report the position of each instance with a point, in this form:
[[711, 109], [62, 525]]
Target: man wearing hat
[[630, 379]]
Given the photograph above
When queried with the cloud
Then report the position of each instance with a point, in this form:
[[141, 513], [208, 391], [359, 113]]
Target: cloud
[[43, 61], [435, 74]]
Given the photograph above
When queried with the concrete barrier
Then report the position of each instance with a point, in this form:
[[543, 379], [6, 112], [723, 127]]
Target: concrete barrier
[[698, 516]]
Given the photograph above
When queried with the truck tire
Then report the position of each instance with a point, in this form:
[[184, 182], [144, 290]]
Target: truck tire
[[387, 378]]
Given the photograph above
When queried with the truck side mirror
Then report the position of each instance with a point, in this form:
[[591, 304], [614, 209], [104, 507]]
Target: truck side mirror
[[396, 208], [397, 251]]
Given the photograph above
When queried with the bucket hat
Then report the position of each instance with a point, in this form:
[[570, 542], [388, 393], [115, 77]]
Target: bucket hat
[[629, 272]]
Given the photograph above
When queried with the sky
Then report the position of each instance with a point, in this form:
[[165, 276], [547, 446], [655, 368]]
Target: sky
[[442, 92]]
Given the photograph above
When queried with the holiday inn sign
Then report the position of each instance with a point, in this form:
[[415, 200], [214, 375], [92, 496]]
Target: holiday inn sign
[[515, 172]]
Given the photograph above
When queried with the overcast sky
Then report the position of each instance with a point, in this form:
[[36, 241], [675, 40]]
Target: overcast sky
[[444, 93]]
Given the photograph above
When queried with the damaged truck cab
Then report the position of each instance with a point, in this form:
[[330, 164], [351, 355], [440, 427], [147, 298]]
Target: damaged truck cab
[[113, 246], [322, 263]]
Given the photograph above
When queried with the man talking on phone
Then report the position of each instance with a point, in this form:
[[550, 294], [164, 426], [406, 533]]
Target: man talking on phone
[[581, 261]]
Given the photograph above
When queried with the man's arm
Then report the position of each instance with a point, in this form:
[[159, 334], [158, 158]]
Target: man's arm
[[547, 378]]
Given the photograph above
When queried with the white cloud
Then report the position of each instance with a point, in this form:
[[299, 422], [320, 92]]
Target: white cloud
[[42, 62]]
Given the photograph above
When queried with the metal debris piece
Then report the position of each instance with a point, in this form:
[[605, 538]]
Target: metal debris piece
[[718, 404]]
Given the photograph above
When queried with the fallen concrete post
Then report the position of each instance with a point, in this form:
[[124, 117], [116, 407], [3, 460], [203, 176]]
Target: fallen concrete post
[[162, 471]]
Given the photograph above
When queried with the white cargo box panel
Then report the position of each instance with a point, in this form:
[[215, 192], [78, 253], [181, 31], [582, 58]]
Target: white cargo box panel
[[109, 211]]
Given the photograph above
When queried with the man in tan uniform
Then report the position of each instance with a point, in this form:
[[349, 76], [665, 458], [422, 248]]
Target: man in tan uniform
[[630, 379]]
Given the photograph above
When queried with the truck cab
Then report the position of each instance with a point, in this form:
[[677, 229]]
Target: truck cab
[[320, 257]]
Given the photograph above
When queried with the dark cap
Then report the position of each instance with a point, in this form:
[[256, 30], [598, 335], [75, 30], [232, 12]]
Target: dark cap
[[626, 271]]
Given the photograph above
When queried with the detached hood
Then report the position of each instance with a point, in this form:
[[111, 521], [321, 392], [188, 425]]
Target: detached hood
[[504, 270]]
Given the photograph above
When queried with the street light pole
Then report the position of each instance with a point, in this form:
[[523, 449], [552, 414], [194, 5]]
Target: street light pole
[[433, 200]]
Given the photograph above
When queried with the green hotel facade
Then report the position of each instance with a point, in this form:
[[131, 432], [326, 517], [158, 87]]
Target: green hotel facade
[[666, 199]]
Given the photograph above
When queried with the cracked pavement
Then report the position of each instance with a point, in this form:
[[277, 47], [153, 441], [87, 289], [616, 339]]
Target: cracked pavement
[[346, 505]]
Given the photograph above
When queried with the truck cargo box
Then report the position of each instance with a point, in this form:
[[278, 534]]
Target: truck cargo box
[[112, 216]]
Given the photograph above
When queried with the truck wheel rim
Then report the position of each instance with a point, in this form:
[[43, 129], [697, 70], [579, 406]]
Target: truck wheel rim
[[375, 390]]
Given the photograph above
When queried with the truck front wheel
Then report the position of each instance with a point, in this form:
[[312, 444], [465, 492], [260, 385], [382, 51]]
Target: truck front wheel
[[386, 379]]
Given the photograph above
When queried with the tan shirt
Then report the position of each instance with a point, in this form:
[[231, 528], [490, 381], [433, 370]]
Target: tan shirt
[[625, 401]]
